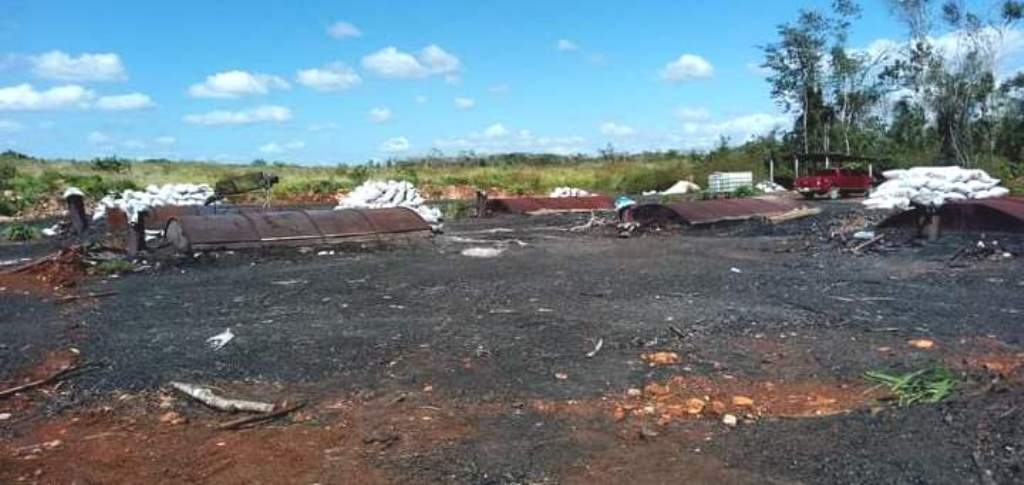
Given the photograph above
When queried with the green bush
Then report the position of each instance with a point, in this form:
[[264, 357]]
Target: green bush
[[97, 186], [7, 173], [744, 191], [111, 164], [8, 206], [19, 231]]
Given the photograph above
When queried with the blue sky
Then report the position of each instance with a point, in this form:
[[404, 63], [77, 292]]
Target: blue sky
[[237, 80]]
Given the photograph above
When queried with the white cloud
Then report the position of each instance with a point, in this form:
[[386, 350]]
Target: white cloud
[[392, 63], [499, 89], [232, 84], [10, 126], [464, 103], [165, 140], [261, 114], [332, 77], [499, 139], [133, 144], [323, 126], [705, 134], [379, 114], [687, 67], [614, 129], [692, 114], [1006, 43], [420, 99], [273, 148], [86, 67], [566, 45], [124, 102], [395, 145], [496, 130], [99, 138], [24, 97], [344, 30]]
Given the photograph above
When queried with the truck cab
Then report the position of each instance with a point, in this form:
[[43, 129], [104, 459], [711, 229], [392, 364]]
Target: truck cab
[[833, 183]]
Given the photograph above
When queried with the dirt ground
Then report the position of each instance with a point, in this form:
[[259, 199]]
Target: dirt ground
[[568, 358]]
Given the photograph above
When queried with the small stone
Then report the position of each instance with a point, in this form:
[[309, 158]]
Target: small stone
[[172, 417], [561, 376], [660, 358], [742, 401], [633, 392], [921, 343], [729, 420], [695, 405], [5, 416], [717, 407]]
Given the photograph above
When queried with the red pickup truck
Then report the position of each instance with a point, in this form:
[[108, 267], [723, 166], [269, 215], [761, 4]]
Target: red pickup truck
[[834, 182]]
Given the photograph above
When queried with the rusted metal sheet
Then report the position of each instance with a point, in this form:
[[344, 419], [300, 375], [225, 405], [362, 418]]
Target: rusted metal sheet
[[1004, 214], [698, 212], [536, 205], [255, 229]]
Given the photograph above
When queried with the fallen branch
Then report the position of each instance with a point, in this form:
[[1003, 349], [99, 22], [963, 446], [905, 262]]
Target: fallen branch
[[61, 374], [238, 423], [869, 242], [797, 213], [208, 398], [71, 298]]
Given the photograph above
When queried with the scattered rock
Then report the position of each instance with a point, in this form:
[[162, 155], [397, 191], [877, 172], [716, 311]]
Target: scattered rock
[[5, 416], [695, 405], [634, 392], [655, 390], [729, 420], [172, 417], [561, 376]]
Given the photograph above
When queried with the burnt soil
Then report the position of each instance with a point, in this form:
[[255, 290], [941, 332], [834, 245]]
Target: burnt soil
[[420, 365]]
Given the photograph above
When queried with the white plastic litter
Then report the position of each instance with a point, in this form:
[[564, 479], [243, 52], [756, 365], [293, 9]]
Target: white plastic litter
[[379, 194], [568, 192], [682, 187], [769, 187], [932, 186], [218, 341], [51, 231], [479, 252], [864, 235], [134, 201]]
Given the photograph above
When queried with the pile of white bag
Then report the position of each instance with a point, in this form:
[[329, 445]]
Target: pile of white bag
[[769, 187], [378, 194], [134, 201], [932, 186], [568, 192], [680, 187]]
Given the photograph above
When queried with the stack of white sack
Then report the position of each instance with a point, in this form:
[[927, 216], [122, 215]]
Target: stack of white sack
[[134, 201], [680, 187], [568, 192], [932, 186], [769, 187], [378, 194]]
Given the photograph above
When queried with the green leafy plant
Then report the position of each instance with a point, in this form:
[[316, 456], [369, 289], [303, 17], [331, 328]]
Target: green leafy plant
[[114, 266], [19, 231], [744, 191], [111, 164], [923, 386]]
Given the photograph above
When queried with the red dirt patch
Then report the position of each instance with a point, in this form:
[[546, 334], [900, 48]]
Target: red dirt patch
[[343, 441], [47, 275]]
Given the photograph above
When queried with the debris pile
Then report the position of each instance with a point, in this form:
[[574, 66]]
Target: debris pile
[[379, 194], [932, 186], [134, 201], [568, 192]]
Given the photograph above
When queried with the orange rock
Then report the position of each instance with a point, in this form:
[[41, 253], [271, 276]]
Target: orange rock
[[717, 407], [694, 405], [661, 358], [921, 343], [619, 413], [657, 390], [172, 417], [742, 401]]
